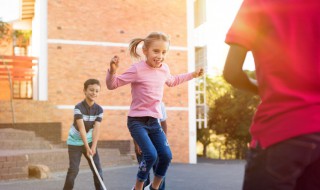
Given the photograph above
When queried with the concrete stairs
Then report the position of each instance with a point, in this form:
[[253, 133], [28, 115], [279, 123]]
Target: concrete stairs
[[12, 139], [16, 145], [58, 160]]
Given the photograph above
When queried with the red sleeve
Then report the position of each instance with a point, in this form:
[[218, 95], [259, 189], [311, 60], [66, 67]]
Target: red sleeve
[[244, 30]]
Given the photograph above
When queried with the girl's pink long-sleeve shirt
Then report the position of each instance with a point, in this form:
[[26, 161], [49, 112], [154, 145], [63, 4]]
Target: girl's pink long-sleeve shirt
[[147, 84]]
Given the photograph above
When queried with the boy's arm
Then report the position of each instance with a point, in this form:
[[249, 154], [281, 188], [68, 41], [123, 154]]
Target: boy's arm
[[163, 120], [83, 134], [233, 72], [95, 136], [137, 148]]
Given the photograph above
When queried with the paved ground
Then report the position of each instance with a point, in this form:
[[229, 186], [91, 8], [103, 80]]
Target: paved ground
[[206, 175]]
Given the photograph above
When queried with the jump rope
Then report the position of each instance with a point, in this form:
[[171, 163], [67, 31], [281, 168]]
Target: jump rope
[[97, 173]]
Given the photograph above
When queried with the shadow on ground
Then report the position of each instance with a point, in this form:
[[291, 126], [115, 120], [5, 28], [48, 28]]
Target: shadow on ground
[[206, 175]]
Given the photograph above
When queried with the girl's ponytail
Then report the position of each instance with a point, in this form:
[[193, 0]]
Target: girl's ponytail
[[146, 42], [133, 47]]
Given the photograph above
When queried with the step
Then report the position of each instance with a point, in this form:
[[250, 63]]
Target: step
[[14, 139], [58, 159], [16, 144], [24, 144], [14, 134], [16, 162]]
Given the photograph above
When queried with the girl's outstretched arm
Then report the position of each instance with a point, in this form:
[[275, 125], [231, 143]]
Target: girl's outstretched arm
[[198, 73], [178, 79], [114, 81], [114, 64]]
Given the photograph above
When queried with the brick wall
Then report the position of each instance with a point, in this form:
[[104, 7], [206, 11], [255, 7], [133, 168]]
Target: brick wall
[[70, 65], [116, 21], [13, 167], [120, 21], [124, 146], [28, 111]]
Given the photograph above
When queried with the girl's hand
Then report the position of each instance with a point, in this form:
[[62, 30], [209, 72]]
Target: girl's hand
[[114, 64], [198, 73]]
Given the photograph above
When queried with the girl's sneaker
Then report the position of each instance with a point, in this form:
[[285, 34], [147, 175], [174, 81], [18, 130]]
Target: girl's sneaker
[[149, 187]]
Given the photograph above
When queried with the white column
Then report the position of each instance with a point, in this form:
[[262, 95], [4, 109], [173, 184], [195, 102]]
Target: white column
[[40, 48], [191, 84]]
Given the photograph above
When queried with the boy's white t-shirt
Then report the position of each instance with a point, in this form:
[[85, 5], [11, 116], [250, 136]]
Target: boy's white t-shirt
[[164, 113]]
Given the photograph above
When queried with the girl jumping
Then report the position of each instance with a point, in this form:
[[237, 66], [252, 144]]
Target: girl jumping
[[147, 78]]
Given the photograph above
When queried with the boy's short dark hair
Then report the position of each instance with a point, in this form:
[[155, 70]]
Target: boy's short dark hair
[[90, 82]]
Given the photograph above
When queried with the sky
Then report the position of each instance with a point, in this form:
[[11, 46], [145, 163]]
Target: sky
[[9, 10], [220, 15]]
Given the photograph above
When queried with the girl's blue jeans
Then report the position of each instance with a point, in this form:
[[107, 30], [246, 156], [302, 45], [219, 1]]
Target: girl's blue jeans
[[146, 183], [75, 153], [150, 137]]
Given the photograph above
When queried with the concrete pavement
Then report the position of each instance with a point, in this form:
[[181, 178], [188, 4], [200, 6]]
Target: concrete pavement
[[206, 175]]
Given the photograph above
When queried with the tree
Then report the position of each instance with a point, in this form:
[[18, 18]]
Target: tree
[[215, 87], [204, 137], [5, 34], [231, 116]]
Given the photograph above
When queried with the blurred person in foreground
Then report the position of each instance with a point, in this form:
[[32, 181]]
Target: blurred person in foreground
[[284, 38]]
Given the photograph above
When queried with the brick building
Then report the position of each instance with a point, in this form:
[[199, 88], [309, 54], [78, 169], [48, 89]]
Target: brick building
[[74, 41]]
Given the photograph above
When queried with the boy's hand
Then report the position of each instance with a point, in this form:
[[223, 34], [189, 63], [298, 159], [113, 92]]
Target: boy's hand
[[137, 150], [93, 150], [198, 73], [89, 152], [114, 64]]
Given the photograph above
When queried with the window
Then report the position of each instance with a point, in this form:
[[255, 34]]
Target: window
[[22, 89]]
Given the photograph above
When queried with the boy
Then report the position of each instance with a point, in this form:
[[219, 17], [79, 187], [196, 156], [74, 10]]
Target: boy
[[84, 134]]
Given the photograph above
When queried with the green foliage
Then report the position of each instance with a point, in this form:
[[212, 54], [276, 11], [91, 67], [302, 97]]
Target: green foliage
[[230, 115], [204, 137], [4, 32], [22, 37], [215, 88]]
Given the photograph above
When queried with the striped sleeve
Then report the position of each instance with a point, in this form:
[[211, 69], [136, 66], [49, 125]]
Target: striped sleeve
[[100, 114], [77, 113]]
